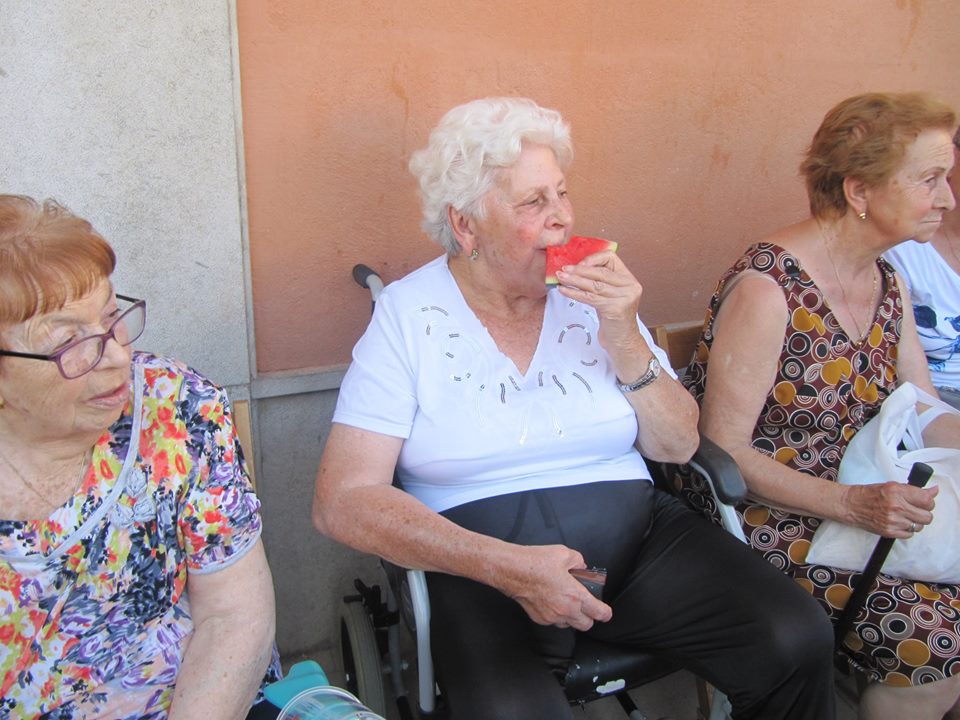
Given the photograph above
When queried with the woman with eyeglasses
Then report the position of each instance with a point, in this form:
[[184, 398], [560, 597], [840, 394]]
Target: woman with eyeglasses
[[133, 583]]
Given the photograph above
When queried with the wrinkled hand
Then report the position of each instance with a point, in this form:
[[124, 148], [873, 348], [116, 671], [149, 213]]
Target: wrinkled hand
[[891, 509], [603, 281], [541, 582]]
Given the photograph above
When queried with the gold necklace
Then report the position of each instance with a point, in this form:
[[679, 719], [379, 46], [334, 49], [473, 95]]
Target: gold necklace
[[81, 472], [843, 292]]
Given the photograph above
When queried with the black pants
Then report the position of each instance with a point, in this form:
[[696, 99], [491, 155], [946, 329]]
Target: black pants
[[263, 710], [676, 582]]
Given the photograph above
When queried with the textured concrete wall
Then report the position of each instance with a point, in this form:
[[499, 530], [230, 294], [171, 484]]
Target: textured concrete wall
[[125, 113]]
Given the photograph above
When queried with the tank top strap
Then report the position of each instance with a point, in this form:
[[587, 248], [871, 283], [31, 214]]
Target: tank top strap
[[767, 259], [889, 276], [778, 264]]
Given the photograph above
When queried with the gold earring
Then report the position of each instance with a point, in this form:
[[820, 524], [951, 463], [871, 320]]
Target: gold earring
[[475, 254], [862, 215]]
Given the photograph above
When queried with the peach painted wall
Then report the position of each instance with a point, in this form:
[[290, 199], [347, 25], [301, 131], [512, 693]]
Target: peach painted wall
[[688, 116]]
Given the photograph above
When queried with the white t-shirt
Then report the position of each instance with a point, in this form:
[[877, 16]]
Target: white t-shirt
[[935, 293], [426, 370]]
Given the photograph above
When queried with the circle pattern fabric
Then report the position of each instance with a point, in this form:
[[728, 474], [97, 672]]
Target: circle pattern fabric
[[827, 387]]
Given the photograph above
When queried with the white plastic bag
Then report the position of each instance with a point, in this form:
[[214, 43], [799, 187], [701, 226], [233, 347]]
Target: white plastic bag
[[933, 553]]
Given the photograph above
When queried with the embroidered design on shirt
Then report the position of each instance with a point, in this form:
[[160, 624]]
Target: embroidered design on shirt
[[141, 507], [589, 341], [510, 402]]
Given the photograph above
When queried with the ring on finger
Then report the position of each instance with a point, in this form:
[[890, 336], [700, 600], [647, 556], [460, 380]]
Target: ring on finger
[[913, 527]]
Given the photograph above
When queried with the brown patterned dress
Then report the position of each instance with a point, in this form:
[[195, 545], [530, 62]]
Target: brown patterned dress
[[826, 388]]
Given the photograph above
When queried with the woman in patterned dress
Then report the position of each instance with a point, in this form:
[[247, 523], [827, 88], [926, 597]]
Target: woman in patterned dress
[[133, 583], [805, 336]]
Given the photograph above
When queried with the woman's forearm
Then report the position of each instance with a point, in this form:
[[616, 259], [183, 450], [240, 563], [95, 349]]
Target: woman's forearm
[[666, 420], [232, 642], [394, 525], [387, 522], [355, 504], [773, 483], [944, 431], [222, 669], [666, 412]]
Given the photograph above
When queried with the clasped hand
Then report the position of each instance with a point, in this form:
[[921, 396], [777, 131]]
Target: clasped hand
[[549, 594], [891, 509]]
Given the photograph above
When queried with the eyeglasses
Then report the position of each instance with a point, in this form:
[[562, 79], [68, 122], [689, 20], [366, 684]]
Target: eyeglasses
[[80, 357]]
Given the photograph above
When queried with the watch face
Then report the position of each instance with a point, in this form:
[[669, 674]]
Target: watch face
[[652, 373]]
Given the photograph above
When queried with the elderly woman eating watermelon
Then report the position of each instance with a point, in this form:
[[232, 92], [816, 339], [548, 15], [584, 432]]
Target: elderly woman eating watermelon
[[517, 416]]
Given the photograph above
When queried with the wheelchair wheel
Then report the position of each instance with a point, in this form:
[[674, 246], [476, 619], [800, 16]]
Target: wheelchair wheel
[[361, 657]]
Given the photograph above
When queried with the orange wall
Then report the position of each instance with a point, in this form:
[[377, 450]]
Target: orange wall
[[689, 118]]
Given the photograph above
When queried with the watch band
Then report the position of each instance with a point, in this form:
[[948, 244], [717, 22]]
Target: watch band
[[652, 373]]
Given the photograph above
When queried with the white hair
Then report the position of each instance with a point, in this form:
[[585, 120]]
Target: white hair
[[467, 149]]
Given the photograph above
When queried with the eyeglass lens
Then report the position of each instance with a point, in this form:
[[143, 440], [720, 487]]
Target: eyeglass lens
[[84, 355]]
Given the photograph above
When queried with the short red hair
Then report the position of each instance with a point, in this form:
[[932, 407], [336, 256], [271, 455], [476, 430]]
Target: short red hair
[[48, 256]]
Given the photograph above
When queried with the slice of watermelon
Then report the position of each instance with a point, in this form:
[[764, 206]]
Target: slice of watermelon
[[575, 250]]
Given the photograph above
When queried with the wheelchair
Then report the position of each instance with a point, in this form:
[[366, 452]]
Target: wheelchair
[[370, 619], [370, 643]]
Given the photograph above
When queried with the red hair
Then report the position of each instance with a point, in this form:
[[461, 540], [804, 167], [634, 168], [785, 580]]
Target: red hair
[[48, 256]]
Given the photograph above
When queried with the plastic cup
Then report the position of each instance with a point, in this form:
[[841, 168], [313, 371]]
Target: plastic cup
[[326, 703]]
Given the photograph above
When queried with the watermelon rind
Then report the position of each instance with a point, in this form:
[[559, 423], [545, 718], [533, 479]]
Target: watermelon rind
[[572, 252]]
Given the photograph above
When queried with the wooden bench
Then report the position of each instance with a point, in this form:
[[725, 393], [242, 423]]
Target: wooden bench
[[243, 424], [678, 340]]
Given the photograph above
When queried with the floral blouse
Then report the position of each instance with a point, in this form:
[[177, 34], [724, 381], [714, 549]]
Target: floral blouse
[[94, 613]]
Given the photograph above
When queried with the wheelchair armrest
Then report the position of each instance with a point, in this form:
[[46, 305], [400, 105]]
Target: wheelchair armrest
[[720, 470], [725, 481], [420, 602]]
